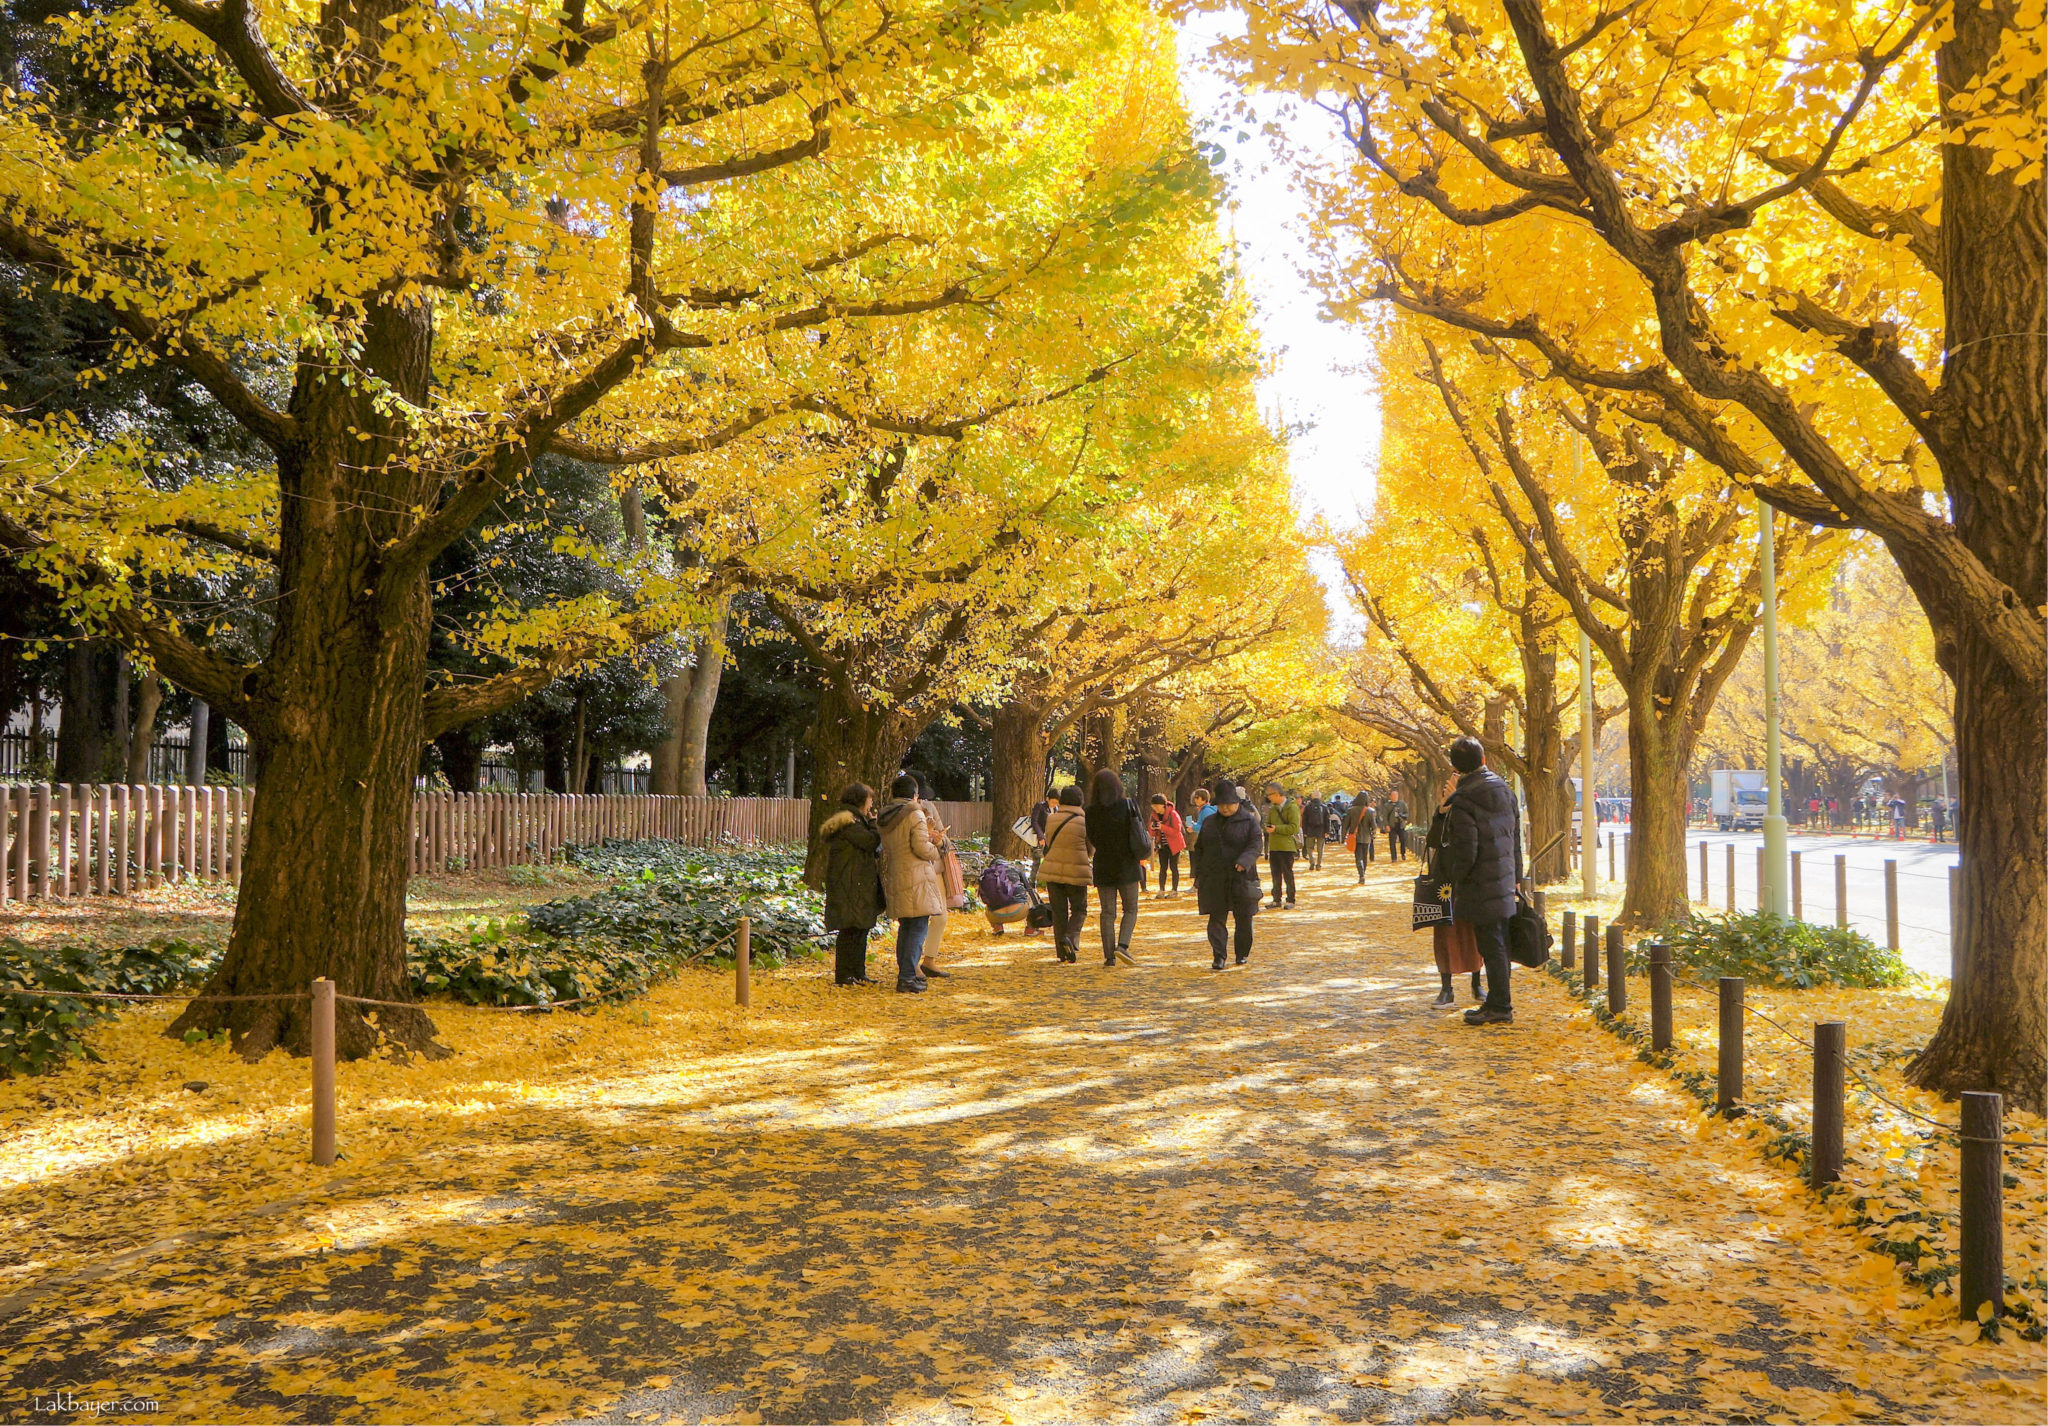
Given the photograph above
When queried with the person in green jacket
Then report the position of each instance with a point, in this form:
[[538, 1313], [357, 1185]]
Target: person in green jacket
[[1283, 840]]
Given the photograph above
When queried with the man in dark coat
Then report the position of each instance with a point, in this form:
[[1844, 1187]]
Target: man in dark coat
[[1480, 861], [1226, 866]]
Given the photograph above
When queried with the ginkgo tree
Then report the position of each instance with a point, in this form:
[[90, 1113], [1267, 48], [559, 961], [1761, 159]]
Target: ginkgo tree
[[407, 250], [1804, 240]]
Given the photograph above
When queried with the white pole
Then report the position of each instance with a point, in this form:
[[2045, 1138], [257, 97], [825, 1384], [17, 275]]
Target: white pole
[[1589, 830], [1774, 896]]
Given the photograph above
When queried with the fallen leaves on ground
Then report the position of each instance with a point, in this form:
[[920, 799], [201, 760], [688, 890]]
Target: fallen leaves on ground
[[1291, 1192]]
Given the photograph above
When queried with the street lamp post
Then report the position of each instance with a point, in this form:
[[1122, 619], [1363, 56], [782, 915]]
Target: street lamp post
[[1775, 894]]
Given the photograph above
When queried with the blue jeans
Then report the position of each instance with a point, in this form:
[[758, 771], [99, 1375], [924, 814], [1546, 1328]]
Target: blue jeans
[[910, 945]]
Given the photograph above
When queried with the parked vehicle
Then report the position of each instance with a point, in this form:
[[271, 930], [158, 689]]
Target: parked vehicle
[[1740, 800]]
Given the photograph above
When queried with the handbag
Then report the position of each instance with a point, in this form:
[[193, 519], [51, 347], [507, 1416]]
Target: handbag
[[1141, 840], [955, 879], [1432, 903], [1037, 915]]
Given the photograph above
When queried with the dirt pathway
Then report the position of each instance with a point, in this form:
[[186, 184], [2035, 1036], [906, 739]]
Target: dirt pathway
[[1039, 1193]]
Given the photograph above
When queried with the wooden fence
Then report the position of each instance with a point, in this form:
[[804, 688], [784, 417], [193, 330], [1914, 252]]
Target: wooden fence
[[72, 840]]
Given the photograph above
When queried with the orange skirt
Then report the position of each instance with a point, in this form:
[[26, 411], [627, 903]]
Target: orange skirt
[[1457, 949]]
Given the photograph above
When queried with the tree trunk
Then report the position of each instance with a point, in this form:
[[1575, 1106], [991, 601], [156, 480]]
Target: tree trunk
[[195, 744], [148, 700], [1658, 753], [1994, 1028], [462, 758], [123, 729], [1549, 795], [690, 696], [323, 880], [853, 743], [81, 740], [1994, 427], [579, 753], [1017, 749], [554, 758]]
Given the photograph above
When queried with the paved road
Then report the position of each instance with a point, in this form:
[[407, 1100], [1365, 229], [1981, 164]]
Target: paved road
[[1923, 884]]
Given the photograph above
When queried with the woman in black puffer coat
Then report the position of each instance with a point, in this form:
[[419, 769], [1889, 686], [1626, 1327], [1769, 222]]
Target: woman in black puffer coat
[[853, 881], [1117, 835]]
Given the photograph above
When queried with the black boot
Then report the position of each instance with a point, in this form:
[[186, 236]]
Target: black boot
[[1477, 993]]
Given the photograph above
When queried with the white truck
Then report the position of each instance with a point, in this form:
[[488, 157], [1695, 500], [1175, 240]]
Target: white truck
[[1740, 800]]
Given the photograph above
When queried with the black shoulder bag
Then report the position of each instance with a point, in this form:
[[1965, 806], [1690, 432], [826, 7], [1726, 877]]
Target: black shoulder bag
[[1528, 934]]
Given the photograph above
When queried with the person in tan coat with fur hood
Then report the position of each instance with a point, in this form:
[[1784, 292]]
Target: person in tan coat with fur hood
[[911, 884], [1067, 867]]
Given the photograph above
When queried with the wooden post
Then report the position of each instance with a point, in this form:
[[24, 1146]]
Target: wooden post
[[1891, 904], [1592, 952], [743, 965], [323, 1071], [1830, 1042], [1705, 898], [1660, 995], [1568, 938], [39, 840], [1842, 891], [123, 836], [1798, 891], [1731, 878], [1760, 876], [1536, 899], [1981, 1201], [24, 838], [1610, 856], [1728, 1087], [61, 853], [1617, 973]]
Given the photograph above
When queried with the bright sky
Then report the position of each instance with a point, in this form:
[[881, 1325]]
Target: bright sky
[[1320, 379]]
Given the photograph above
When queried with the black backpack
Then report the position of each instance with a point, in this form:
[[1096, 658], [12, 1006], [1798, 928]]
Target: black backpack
[[1141, 837]]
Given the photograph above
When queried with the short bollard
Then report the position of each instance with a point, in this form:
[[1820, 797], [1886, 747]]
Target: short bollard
[[1660, 996], [1610, 856], [1728, 1083], [323, 1071], [1705, 899], [1731, 878], [1830, 1041], [743, 965], [1536, 900], [1617, 973], [1568, 940], [1842, 892], [1982, 1204], [1798, 890], [1592, 952], [1760, 878]]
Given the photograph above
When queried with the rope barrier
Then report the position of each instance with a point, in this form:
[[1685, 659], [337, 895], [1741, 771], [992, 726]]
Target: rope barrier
[[116, 995], [1871, 1085]]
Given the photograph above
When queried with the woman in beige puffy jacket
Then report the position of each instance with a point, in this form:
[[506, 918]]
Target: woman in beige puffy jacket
[[911, 884], [1067, 867]]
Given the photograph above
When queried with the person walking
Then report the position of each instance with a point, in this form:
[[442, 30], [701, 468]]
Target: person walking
[[1283, 840], [1939, 812], [1397, 828], [1200, 810], [912, 888], [1361, 825], [1481, 861], [1068, 867], [853, 881], [1314, 822], [1225, 862], [1897, 807], [1120, 846], [1169, 840]]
